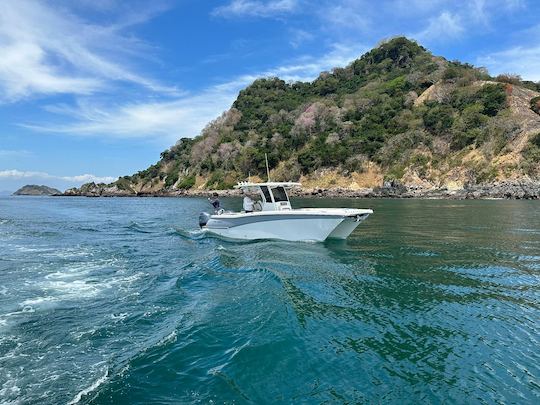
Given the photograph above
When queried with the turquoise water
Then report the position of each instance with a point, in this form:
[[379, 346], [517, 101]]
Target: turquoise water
[[118, 301]]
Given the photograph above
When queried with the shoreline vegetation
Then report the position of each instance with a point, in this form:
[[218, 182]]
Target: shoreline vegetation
[[514, 189]]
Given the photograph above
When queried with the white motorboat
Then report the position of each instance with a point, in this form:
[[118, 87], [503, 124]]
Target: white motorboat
[[274, 218]]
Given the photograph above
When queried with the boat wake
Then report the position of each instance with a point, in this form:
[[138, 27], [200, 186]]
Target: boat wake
[[203, 234], [137, 227], [193, 234], [90, 389]]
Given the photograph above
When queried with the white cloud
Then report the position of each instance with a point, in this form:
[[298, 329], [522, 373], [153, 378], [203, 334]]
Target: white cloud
[[255, 8], [483, 11], [165, 121], [416, 7], [82, 178], [458, 18], [479, 12], [346, 16], [46, 50], [443, 27], [308, 68], [15, 153], [299, 37], [168, 121], [524, 61]]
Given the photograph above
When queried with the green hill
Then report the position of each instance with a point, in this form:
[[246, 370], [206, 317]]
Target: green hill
[[396, 113]]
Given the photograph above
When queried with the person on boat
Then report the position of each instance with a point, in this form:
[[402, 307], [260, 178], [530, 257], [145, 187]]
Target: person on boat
[[214, 200], [248, 203]]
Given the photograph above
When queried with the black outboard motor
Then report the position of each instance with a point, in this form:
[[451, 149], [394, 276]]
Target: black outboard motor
[[204, 217]]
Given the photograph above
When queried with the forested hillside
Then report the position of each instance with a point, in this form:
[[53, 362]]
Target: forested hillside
[[396, 113]]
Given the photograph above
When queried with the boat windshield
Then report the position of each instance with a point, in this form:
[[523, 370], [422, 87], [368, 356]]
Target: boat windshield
[[279, 194], [266, 193]]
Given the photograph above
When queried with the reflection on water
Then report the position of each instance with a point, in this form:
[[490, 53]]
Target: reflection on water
[[124, 301]]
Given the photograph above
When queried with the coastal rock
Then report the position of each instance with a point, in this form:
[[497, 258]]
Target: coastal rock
[[516, 189], [99, 190], [392, 188]]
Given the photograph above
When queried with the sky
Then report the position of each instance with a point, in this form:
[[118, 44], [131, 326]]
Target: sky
[[95, 89]]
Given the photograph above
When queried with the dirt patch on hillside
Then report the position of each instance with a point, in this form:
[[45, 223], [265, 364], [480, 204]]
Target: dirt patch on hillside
[[329, 178]]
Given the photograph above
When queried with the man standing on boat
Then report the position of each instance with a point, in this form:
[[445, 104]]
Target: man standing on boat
[[214, 200], [248, 203]]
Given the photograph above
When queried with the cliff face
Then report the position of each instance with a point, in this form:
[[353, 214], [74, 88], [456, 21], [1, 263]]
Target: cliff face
[[397, 115], [33, 189]]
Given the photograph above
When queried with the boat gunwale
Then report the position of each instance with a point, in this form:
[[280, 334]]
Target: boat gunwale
[[325, 212]]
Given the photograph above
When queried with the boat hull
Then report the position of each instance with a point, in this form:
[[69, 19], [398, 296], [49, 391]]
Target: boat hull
[[291, 226], [345, 228]]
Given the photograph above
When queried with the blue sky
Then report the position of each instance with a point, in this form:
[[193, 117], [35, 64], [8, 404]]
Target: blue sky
[[94, 89]]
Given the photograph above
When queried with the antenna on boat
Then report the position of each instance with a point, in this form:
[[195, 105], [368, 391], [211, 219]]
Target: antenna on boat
[[267, 169]]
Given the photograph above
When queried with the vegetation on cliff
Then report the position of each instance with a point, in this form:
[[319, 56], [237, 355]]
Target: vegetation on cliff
[[396, 113]]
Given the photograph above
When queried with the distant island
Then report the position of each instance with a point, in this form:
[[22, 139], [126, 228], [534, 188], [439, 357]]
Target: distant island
[[32, 189], [398, 121]]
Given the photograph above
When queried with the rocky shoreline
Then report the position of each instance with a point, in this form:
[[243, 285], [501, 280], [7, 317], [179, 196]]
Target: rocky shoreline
[[509, 189]]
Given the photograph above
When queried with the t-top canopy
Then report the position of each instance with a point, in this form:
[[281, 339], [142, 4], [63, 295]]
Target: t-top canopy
[[270, 184]]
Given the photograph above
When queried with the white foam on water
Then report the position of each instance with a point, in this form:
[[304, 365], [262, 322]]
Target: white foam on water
[[233, 351], [80, 271], [119, 317], [74, 270], [70, 279], [9, 390], [79, 335], [67, 253], [89, 389], [11, 353], [38, 301], [4, 317], [56, 291], [214, 371], [27, 249], [170, 338], [128, 280], [4, 328], [79, 280], [63, 288]]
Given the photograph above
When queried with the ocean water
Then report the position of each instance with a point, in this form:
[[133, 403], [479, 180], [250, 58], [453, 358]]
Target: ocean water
[[122, 301]]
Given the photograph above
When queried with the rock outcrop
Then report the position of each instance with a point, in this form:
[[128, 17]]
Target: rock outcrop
[[99, 190]]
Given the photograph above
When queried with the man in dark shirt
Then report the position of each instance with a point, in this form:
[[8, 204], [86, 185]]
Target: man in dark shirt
[[214, 200]]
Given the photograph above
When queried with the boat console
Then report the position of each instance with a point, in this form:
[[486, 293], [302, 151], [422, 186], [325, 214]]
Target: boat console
[[273, 195]]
